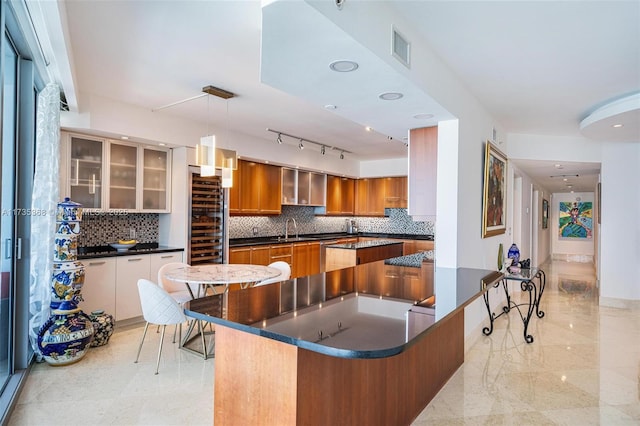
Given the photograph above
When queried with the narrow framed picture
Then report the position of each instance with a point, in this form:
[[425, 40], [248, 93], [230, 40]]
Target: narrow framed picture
[[545, 214], [494, 199]]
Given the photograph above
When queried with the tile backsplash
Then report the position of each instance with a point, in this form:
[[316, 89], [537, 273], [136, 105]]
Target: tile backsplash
[[101, 228], [398, 222]]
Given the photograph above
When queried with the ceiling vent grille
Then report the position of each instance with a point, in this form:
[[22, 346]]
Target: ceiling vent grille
[[400, 48]]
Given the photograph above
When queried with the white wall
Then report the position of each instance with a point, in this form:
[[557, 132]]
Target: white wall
[[620, 225], [575, 248]]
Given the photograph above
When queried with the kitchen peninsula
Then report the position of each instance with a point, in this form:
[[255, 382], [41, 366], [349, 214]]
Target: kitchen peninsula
[[336, 347], [352, 254]]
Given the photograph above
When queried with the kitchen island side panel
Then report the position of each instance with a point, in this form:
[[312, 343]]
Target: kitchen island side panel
[[260, 380]]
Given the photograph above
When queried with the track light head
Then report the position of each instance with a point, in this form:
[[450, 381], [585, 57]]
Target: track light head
[[322, 150], [300, 145], [279, 139], [342, 155]]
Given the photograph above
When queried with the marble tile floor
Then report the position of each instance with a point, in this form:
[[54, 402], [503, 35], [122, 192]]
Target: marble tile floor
[[582, 369]]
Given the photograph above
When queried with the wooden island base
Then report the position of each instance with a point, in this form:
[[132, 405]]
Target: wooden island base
[[263, 381]]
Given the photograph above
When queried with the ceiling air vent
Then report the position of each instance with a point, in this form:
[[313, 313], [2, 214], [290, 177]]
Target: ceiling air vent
[[400, 47]]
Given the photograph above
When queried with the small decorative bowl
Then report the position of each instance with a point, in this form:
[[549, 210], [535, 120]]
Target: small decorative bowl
[[122, 247]]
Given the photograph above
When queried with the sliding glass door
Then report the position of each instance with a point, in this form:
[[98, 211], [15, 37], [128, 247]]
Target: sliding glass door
[[8, 201]]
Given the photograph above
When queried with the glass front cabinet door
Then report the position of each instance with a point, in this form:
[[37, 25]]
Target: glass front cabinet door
[[84, 174], [155, 179], [123, 176]]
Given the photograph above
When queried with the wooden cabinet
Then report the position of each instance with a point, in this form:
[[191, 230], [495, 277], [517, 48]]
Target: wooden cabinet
[[257, 189], [340, 196], [423, 158], [370, 196], [105, 174], [251, 255], [281, 252], [395, 192], [99, 288], [306, 259]]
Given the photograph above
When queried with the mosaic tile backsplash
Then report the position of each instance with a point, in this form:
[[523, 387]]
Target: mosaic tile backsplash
[[99, 229], [398, 222]]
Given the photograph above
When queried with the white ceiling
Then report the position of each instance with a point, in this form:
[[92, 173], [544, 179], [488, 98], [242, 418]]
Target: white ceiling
[[538, 67]]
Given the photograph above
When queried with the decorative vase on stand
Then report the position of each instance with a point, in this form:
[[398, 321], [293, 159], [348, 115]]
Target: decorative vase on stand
[[514, 254], [67, 334]]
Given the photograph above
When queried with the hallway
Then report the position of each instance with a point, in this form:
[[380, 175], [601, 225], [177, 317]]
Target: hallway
[[582, 369]]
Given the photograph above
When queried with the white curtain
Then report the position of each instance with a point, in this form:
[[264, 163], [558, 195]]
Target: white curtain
[[44, 198]]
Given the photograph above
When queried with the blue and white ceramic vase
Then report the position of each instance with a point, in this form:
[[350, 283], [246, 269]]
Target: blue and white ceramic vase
[[514, 253], [66, 336]]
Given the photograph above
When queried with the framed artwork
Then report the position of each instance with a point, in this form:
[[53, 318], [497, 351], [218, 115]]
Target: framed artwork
[[575, 219], [494, 199], [545, 214]]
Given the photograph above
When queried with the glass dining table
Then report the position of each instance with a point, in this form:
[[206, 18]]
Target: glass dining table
[[211, 277]]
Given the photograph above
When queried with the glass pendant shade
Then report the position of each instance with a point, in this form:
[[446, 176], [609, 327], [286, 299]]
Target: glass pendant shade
[[206, 155]]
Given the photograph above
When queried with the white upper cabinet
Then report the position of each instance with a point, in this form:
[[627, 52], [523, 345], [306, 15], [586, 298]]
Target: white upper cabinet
[[102, 174]]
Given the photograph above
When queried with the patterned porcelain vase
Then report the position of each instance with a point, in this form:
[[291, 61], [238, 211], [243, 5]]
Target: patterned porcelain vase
[[103, 327], [66, 336]]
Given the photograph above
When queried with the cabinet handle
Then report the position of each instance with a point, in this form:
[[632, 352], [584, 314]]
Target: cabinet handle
[[97, 263], [166, 257], [134, 260]]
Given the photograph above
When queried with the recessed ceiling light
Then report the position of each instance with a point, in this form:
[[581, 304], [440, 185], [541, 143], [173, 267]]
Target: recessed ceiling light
[[329, 106], [368, 129], [390, 96], [343, 66], [617, 126], [558, 166], [124, 138], [422, 116], [162, 144]]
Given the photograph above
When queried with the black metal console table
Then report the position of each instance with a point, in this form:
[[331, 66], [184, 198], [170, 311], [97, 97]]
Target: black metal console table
[[533, 282]]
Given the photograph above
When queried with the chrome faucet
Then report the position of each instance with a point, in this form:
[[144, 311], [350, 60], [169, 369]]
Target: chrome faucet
[[286, 228]]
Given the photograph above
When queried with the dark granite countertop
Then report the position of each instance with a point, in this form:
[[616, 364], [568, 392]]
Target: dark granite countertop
[[108, 251], [357, 312], [364, 244], [239, 242]]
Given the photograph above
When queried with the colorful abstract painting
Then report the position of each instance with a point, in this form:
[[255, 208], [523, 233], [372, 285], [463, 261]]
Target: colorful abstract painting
[[576, 219]]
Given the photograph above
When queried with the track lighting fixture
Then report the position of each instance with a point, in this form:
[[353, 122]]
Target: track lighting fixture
[[301, 141]]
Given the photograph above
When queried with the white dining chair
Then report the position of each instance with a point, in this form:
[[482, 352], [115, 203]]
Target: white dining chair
[[284, 274], [158, 307]]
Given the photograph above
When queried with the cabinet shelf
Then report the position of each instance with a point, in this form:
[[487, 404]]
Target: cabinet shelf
[[155, 169], [154, 189], [86, 161], [128, 188]]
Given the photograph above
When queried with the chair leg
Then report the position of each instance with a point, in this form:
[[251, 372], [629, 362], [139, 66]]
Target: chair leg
[[175, 331], [146, 326], [164, 327]]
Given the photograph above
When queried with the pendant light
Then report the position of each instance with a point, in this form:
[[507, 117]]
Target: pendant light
[[206, 151]]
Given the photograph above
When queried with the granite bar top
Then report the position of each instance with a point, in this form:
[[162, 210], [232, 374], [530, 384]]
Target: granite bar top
[[357, 312], [363, 244], [96, 252]]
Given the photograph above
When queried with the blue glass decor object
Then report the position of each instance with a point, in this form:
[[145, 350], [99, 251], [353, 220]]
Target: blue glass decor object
[[514, 253]]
